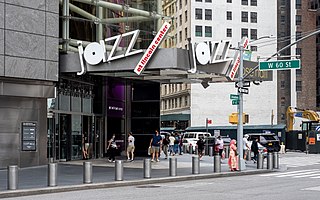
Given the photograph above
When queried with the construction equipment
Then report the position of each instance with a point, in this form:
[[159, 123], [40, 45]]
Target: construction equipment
[[295, 117]]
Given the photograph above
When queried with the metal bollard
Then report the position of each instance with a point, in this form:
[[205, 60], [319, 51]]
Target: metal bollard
[[196, 150], [184, 149], [190, 149], [210, 151], [147, 168], [260, 161], [249, 156], [195, 165], [12, 177], [275, 160], [87, 172], [269, 161], [172, 166], [52, 174], [119, 170], [217, 164], [226, 151]]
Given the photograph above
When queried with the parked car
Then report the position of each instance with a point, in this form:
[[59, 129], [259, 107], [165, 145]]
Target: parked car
[[191, 138], [269, 141]]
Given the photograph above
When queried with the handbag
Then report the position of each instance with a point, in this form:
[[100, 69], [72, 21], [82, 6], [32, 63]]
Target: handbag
[[149, 151]]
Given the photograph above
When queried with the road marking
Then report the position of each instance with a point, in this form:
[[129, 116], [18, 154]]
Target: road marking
[[303, 173], [307, 175], [294, 172], [312, 188]]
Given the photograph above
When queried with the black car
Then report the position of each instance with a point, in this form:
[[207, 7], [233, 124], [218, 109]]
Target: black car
[[268, 140]]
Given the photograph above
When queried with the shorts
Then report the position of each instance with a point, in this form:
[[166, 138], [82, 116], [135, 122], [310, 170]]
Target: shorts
[[86, 146], [130, 148], [155, 149]]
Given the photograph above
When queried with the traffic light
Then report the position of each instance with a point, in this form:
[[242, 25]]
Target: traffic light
[[233, 118]]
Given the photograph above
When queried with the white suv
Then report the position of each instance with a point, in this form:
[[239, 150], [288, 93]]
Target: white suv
[[191, 138]]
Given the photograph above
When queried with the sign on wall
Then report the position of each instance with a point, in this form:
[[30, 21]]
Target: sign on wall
[[29, 136]]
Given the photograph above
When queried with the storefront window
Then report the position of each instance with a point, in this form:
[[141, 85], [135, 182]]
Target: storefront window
[[76, 138], [76, 104], [86, 105]]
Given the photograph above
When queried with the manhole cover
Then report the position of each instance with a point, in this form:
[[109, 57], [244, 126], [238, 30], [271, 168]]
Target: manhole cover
[[148, 186]]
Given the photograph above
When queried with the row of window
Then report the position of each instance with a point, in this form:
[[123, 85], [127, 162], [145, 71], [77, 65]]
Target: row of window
[[179, 102], [245, 2], [172, 88], [208, 15]]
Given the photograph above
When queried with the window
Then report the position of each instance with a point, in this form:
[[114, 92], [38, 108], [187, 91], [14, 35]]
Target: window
[[180, 102], [298, 72], [282, 19], [186, 2], [254, 48], [253, 2], [298, 35], [208, 14], [244, 32], [198, 0], [186, 33], [244, 2], [229, 15], [244, 16], [229, 1], [186, 16], [298, 52], [208, 31], [180, 20], [208, 1], [198, 13], [180, 36], [298, 86], [298, 4], [282, 84], [180, 4], [283, 2], [229, 32], [298, 19], [254, 34], [198, 31], [253, 17], [283, 100]]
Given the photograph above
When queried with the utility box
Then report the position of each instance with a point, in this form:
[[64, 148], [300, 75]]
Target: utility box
[[233, 118]]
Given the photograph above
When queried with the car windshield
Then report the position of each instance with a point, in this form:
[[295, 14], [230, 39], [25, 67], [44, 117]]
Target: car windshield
[[189, 135], [269, 137]]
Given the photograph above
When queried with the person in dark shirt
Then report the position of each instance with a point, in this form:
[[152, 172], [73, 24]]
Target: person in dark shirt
[[200, 144], [165, 145], [255, 149], [155, 145]]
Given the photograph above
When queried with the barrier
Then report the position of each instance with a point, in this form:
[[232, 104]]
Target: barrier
[[275, 160], [260, 161], [119, 170], [269, 161], [12, 177], [190, 149], [217, 164], [210, 151], [87, 172], [147, 168], [52, 174], [172, 166], [195, 165]]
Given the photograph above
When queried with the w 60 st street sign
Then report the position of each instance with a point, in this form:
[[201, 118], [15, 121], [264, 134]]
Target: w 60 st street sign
[[279, 65]]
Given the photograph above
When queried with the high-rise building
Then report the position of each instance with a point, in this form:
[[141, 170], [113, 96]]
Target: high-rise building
[[206, 20]]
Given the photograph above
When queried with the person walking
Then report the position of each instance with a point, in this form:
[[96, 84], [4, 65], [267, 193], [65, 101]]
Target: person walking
[[219, 144], [176, 143], [171, 145], [255, 149], [165, 145], [155, 144], [233, 156], [246, 147], [131, 147], [200, 144], [112, 148]]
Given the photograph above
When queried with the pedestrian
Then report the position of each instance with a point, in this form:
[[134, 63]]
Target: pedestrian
[[200, 144], [131, 147], [219, 145], [165, 145], [246, 147], [112, 148], [85, 146], [155, 144], [176, 143], [255, 149], [233, 156], [171, 145]]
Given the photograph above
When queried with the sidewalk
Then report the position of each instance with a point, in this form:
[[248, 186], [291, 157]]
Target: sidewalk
[[70, 176]]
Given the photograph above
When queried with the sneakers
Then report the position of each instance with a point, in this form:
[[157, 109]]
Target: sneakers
[[158, 160], [152, 160], [109, 160]]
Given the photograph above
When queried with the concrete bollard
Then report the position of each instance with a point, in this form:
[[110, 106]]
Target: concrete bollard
[[87, 172], [195, 165], [190, 149], [172, 166], [118, 170], [275, 160], [210, 151], [260, 161], [12, 177], [185, 149], [147, 168], [196, 150], [52, 174], [269, 161], [217, 164], [226, 151], [249, 156]]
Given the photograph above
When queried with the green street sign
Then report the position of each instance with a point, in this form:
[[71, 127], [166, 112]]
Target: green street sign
[[235, 102], [234, 96], [279, 65]]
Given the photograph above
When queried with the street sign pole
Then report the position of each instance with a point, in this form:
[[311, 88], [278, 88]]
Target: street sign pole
[[242, 165]]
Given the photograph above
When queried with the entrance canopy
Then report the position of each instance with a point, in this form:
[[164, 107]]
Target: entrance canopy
[[167, 65]]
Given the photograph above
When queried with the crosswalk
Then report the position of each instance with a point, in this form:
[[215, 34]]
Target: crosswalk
[[308, 173]]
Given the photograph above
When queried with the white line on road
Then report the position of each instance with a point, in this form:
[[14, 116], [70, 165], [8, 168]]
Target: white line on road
[[294, 172]]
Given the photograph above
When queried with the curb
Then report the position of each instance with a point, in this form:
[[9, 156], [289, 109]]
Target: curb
[[48, 190]]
